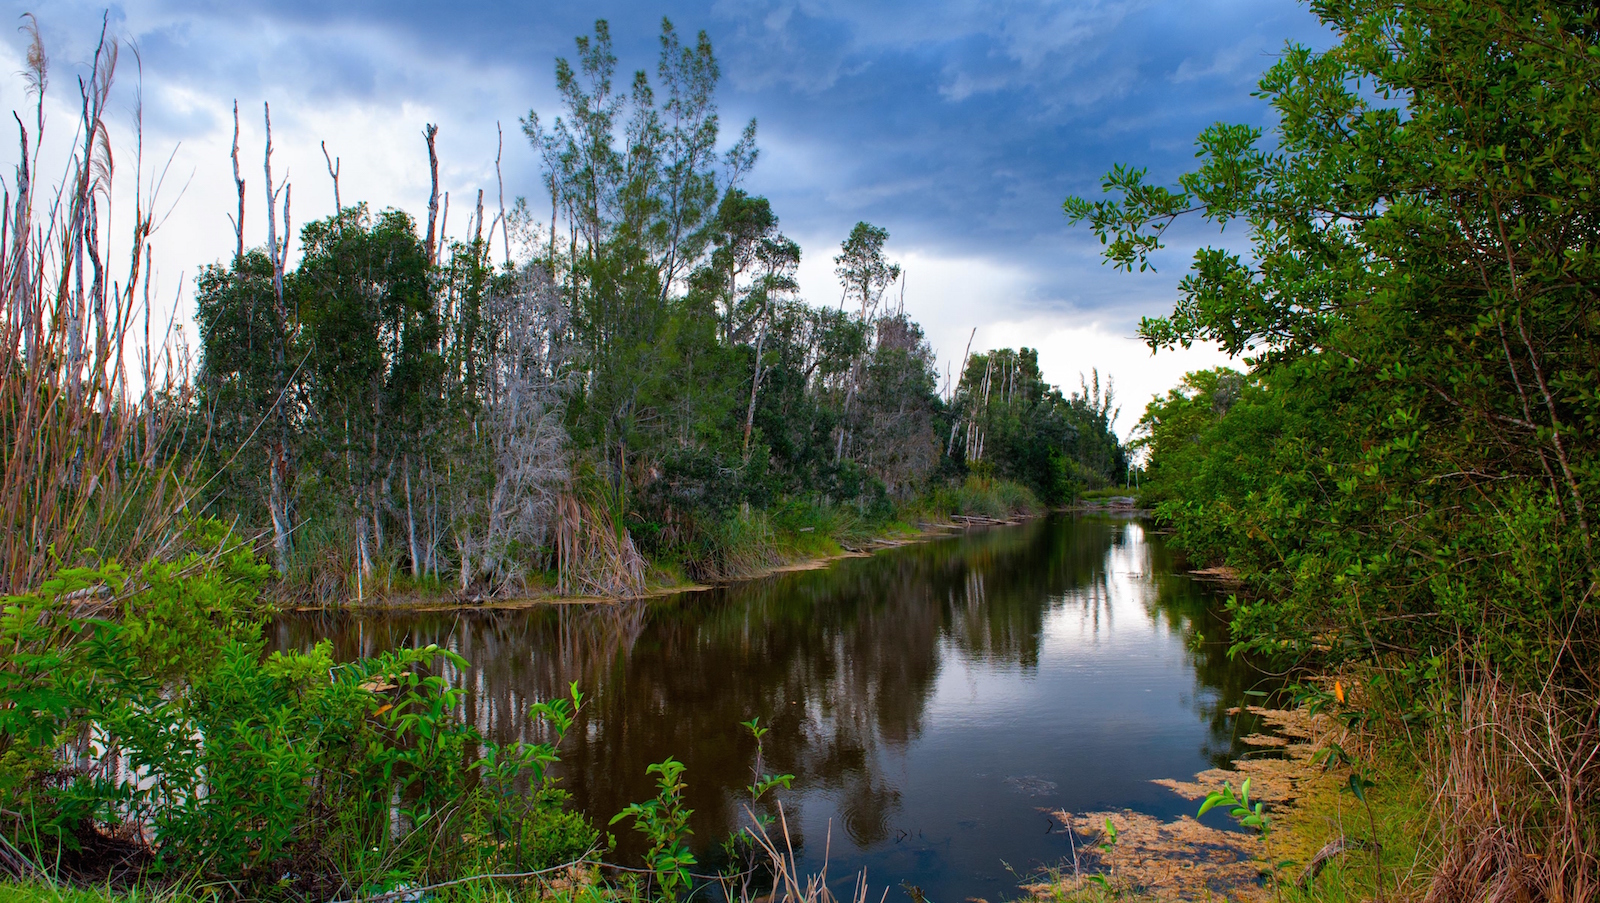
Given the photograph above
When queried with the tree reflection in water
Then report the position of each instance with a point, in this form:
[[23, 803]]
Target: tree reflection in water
[[841, 663]]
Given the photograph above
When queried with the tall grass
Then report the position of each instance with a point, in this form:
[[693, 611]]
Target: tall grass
[[92, 394], [978, 496], [1517, 782], [595, 552]]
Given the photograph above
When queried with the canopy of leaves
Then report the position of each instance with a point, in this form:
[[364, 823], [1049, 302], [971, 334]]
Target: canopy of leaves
[[1413, 460]]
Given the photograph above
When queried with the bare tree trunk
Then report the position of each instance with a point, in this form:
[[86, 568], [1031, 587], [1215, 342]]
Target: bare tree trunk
[[433, 532], [988, 382], [333, 170], [411, 526], [377, 495], [363, 554], [238, 182], [976, 409], [429, 133], [278, 450], [372, 468], [477, 228], [755, 381], [444, 221], [956, 421], [377, 520], [555, 194], [500, 182]]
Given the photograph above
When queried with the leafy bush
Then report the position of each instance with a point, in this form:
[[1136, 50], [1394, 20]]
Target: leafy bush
[[1408, 477], [143, 704]]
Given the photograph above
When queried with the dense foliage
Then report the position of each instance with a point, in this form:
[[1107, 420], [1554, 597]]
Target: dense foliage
[[1412, 459], [1010, 421], [635, 383], [143, 702], [1406, 479]]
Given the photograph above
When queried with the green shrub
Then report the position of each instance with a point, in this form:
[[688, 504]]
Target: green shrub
[[237, 766]]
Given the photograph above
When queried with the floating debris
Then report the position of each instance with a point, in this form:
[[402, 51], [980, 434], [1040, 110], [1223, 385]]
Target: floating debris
[[1184, 859], [1032, 785]]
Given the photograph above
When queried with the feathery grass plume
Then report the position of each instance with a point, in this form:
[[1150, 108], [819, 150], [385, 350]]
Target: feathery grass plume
[[88, 460]]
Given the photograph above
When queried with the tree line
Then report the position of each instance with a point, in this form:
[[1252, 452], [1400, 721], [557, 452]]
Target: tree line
[[634, 381]]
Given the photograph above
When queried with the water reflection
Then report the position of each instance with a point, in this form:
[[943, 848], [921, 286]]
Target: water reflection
[[929, 699]]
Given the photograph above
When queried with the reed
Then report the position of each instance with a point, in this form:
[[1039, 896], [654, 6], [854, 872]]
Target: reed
[[93, 398], [1517, 783], [790, 885]]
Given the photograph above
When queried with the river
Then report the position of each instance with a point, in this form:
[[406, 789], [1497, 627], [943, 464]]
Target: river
[[934, 701]]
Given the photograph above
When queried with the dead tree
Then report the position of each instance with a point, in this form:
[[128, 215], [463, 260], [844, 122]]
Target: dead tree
[[430, 132], [278, 447], [238, 183], [333, 172]]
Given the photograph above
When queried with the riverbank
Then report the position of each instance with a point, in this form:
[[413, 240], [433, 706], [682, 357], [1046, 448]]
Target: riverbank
[[798, 553]]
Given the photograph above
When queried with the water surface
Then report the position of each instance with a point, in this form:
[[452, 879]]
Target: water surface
[[933, 701]]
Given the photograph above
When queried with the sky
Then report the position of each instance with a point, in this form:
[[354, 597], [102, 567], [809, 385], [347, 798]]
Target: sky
[[958, 126]]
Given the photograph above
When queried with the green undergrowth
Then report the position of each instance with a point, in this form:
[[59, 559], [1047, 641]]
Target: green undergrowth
[[743, 542], [200, 767], [283, 775], [1406, 835], [750, 541], [1111, 492], [37, 891], [976, 496]]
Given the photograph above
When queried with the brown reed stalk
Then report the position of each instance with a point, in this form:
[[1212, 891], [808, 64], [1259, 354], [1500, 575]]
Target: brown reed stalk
[[89, 444], [1518, 797]]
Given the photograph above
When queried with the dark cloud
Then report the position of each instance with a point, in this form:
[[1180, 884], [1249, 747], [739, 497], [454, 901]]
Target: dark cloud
[[960, 126]]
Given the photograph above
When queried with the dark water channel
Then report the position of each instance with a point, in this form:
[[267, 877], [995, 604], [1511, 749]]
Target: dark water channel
[[933, 700]]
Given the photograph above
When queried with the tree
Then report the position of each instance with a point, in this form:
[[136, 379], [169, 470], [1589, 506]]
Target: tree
[[242, 384], [1423, 296], [862, 269], [899, 401], [372, 335], [639, 206], [865, 275], [1007, 420]]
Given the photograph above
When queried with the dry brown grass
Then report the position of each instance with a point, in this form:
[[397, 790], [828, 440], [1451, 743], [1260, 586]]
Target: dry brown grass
[[789, 886], [1516, 784], [596, 554]]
